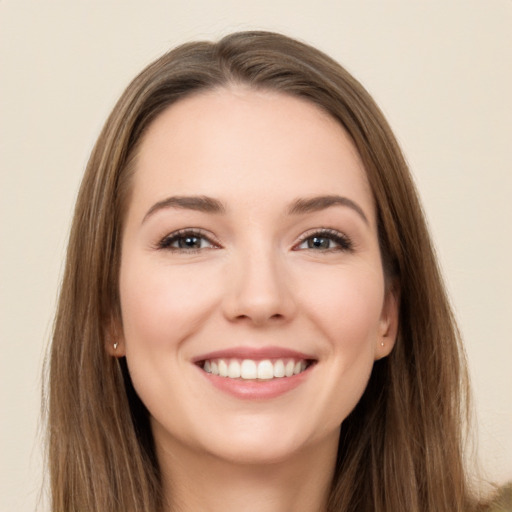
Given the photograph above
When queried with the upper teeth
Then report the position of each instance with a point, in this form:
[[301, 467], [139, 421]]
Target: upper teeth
[[251, 369]]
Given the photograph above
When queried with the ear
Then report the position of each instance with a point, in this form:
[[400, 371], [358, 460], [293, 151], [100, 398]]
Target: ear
[[114, 339], [388, 323]]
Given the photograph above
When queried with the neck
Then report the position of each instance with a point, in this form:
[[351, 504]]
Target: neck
[[199, 481]]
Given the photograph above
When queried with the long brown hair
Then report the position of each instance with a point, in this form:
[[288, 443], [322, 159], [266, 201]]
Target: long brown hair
[[401, 447]]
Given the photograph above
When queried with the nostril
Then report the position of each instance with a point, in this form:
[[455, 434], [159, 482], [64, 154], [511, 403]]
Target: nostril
[[261, 318]]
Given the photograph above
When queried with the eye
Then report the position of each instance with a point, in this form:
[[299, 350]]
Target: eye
[[186, 241], [325, 240]]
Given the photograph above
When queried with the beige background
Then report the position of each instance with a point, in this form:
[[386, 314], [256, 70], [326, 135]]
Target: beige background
[[441, 71]]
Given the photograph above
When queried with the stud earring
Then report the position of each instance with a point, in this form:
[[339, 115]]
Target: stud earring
[[116, 345], [381, 343]]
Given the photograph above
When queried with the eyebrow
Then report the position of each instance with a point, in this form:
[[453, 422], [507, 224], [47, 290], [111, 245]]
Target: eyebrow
[[318, 203], [198, 203], [298, 207]]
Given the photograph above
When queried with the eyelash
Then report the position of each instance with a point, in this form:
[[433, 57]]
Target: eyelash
[[344, 243], [167, 241]]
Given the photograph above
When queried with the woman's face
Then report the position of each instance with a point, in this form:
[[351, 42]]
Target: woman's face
[[252, 292]]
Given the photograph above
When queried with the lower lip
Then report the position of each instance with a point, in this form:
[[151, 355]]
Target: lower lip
[[257, 389]]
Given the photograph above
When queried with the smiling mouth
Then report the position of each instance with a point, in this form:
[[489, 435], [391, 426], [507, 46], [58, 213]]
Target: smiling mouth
[[251, 369]]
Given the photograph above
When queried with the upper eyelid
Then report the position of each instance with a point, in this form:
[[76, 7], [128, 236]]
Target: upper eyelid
[[322, 231], [188, 231]]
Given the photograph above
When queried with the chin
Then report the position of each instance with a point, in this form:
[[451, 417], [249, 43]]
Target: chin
[[269, 440], [255, 452]]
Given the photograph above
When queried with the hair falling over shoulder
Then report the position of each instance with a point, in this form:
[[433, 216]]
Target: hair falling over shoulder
[[401, 448]]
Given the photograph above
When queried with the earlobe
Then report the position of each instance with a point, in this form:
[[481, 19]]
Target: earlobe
[[114, 340], [388, 324]]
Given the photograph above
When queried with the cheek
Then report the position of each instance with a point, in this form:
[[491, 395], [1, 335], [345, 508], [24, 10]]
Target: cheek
[[163, 304], [344, 307], [347, 306]]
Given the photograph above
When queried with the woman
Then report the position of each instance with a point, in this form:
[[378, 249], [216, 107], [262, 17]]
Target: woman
[[251, 315]]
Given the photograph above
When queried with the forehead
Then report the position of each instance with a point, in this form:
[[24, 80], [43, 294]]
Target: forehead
[[240, 144]]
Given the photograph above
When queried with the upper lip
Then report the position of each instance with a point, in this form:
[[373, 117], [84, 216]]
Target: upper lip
[[256, 353]]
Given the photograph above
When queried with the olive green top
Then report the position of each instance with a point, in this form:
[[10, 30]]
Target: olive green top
[[503, 500]]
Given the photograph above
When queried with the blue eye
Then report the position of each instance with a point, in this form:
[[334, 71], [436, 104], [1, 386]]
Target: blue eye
[[326, 240], [187, 241]]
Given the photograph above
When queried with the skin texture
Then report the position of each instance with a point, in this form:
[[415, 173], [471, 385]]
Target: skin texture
[[254, 282]]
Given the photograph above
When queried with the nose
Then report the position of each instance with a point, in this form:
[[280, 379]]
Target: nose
[[259, 290]]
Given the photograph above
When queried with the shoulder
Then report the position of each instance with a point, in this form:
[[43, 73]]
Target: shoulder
[[502, 501]]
